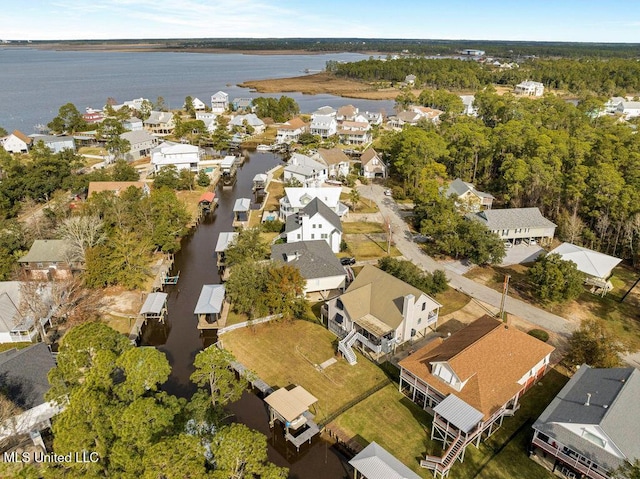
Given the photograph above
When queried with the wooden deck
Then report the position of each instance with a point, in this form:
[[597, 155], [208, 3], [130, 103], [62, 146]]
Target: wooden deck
[[220, 323]]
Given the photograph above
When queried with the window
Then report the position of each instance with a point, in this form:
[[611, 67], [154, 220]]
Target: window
[[597, 440], [339, 318], [313, 226], [323, 236], [424, 306], [298, 235], [313, 236]]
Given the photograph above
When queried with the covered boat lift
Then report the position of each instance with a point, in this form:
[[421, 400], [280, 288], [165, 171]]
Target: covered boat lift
[[291, 408]]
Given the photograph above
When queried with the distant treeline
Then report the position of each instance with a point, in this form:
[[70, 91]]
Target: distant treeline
[[503, 49], [602, 76]]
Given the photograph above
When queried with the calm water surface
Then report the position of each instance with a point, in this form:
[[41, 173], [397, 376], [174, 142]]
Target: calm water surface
[[35, 83]]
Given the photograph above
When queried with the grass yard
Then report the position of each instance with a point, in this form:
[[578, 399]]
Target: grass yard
[[190, 200], [235, 318], [621, 318], [7, 346], [363, 247], [119, 323], [451, 301], [404, 432], [363, 206], [285, 353], [276, 191], [361, 227]]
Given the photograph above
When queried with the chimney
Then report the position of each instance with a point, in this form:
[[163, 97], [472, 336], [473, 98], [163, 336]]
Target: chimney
[[588, 403]]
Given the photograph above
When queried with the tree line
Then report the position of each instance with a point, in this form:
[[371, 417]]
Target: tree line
[[114, 407], [581, 170], [601, 76]]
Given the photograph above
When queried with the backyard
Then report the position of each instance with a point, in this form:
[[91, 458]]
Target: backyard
[[363, 404]]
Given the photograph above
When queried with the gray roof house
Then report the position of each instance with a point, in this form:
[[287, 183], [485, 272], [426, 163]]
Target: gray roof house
[[141, 142], [23, 374], [375, 462], [315, 221], [591, 426], [17, 325], [56, 143], [467, 197], [513, 224], [316, 262], [306, 170], [49, 259]]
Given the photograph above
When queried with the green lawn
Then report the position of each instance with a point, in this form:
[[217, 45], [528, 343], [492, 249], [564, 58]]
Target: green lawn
[[361, 227], [451, 301], [285, 353], [364, 247], [7, 346], [393, 421], [363, 206]]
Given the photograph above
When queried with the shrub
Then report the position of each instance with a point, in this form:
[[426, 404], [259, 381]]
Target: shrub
[[273, 226], [540, 334]]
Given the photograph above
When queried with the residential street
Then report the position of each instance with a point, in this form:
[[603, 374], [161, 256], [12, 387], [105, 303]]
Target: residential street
[[412, 252]]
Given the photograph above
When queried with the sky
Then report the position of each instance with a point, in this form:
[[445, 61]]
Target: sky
[[538, 20]]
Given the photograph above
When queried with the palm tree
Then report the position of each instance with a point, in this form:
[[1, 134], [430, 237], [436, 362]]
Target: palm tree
[[354, 198]]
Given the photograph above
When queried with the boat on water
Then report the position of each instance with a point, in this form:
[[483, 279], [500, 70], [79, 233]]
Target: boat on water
[[263, 148]]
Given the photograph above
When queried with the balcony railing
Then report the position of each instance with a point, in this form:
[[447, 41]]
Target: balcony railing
[[570, 461]]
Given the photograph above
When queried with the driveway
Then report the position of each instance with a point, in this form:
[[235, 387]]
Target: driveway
[[411, 251], [521, 253]]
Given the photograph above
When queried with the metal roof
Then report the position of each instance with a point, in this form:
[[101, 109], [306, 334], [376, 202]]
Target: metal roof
[[242, 204], [454, 410], [210, 300], [375, 462], [291, 404], [154, 303], [224, 239], [588, 261]]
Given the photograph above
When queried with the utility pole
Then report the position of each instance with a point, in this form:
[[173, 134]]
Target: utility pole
[[388, 221], [505, 292]]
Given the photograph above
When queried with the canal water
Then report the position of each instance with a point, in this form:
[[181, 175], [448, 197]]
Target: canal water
[[180, 340]]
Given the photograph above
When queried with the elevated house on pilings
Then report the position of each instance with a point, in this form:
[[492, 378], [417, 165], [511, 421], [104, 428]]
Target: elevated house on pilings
[[291, 408], [470, 382]]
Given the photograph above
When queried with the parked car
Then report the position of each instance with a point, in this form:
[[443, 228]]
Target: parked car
[[347, 261], [387, 192], [508, 244]]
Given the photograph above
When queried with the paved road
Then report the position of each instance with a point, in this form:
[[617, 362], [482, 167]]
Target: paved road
[[411, 251]]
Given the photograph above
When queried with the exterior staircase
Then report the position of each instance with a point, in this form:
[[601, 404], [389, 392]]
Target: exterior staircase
[[345, 347], [442, 465]]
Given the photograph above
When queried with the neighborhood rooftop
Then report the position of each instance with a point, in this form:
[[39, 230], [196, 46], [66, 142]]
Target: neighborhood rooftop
[[588, 261], [50, 250], [24, 374], [511, 218], [313, 258], [375, 462], [210, 300]]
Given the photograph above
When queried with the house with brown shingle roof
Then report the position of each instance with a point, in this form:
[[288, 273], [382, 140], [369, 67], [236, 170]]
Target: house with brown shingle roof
[[378, 312], [372, 164], [290, 131], [16, 142], [471, 381], [336, 161]]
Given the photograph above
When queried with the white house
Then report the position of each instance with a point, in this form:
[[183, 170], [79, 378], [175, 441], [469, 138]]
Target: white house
[[295, 199], [512, 224], [372, 164], [16, 142], [374, 118], [355, 132], [251, 120], [596, 266], [325, 111], [431, 114], [219, 102], [290, 131], [316, 262], [337, 162], [306, 170], [133, 124], [315, 221], [629, 109], [529, 88], [141, 142], [181, 155], [198, 104], [380, 312], [323, 125], [468, 102], [15, 324], [55, 143]]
